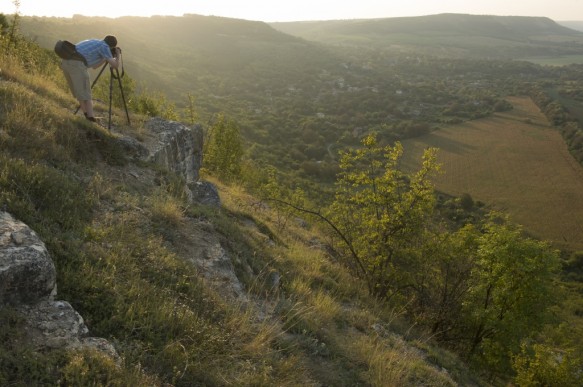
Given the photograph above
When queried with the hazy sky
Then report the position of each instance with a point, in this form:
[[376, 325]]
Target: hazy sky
[[295, 10]]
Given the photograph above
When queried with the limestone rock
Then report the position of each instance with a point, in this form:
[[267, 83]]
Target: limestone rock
[[28, 285], [206, 193], [27, 273], [54, 324], [177, 147]]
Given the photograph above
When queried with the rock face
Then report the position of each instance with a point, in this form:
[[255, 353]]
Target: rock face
[[28, 284], [178, 148]]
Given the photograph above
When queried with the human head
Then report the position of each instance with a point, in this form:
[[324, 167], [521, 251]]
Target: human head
[[111, 41]]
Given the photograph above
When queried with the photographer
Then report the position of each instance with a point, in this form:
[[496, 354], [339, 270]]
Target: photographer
[[96, 52]]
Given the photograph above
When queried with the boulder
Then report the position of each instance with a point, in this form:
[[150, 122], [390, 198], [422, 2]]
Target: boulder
[[27, 273], [28, 286]]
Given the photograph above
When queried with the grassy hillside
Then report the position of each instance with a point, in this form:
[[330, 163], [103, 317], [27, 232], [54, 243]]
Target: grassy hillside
[[191, 54], [516, 162]]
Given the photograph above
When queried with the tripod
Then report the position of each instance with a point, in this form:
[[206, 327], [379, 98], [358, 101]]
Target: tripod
[[112, 76]]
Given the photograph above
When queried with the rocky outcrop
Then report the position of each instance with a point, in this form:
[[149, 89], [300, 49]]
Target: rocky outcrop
[[27, 273], [28, 282], [28, 285], [176, 147]]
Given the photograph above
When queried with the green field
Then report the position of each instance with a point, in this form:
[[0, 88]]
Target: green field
[[515, 162]]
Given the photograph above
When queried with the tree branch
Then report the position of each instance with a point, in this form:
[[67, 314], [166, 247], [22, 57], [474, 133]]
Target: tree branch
[[333, 226]]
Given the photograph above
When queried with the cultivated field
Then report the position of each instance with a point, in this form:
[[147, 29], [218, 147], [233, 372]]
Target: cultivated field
[[515, 162]]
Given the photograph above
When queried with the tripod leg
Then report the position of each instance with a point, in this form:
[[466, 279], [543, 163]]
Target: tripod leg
[[110, 97], [123, 96]]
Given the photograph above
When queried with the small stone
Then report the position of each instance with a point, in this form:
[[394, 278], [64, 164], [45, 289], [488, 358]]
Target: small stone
[[17, 238]]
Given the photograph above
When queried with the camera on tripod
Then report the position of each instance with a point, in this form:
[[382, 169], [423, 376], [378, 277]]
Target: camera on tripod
[[113, 50]]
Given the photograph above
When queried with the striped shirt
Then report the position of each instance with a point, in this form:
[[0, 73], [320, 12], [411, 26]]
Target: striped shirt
[[94, 50]]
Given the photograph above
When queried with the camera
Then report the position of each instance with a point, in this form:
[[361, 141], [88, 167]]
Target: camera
[[113, 50]]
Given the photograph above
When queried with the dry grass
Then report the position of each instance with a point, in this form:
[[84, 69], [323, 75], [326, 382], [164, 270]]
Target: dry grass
[[393, 363], [326, 319], [516, 162]]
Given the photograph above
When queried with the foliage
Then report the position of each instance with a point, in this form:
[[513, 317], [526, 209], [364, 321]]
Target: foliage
[[382, 213], [122, 90], [4, 25], [512, 286], [224, 149], [562, 111], [441, 282], [484, 290], [283, 199], [191, 114], [543, 365]]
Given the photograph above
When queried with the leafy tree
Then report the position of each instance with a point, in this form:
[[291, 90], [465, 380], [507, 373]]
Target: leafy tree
[[224, 150], [442, 281], [283, 199], [543, 365], [382, 213], [466, 201], [4, 25], [511, 290], [14, 26], [191, 113]]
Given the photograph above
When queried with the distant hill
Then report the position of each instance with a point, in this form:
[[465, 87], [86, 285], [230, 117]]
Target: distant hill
[[191, 53], [574, 25], [459, 34]]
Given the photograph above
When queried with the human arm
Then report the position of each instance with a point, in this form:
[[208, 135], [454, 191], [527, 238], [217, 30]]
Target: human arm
[[114, 62]]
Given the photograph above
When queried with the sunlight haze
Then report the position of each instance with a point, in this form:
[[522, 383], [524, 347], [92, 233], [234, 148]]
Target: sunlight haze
[[299, 10]]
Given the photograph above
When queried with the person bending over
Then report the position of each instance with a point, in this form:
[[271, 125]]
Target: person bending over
[[96, 52]]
